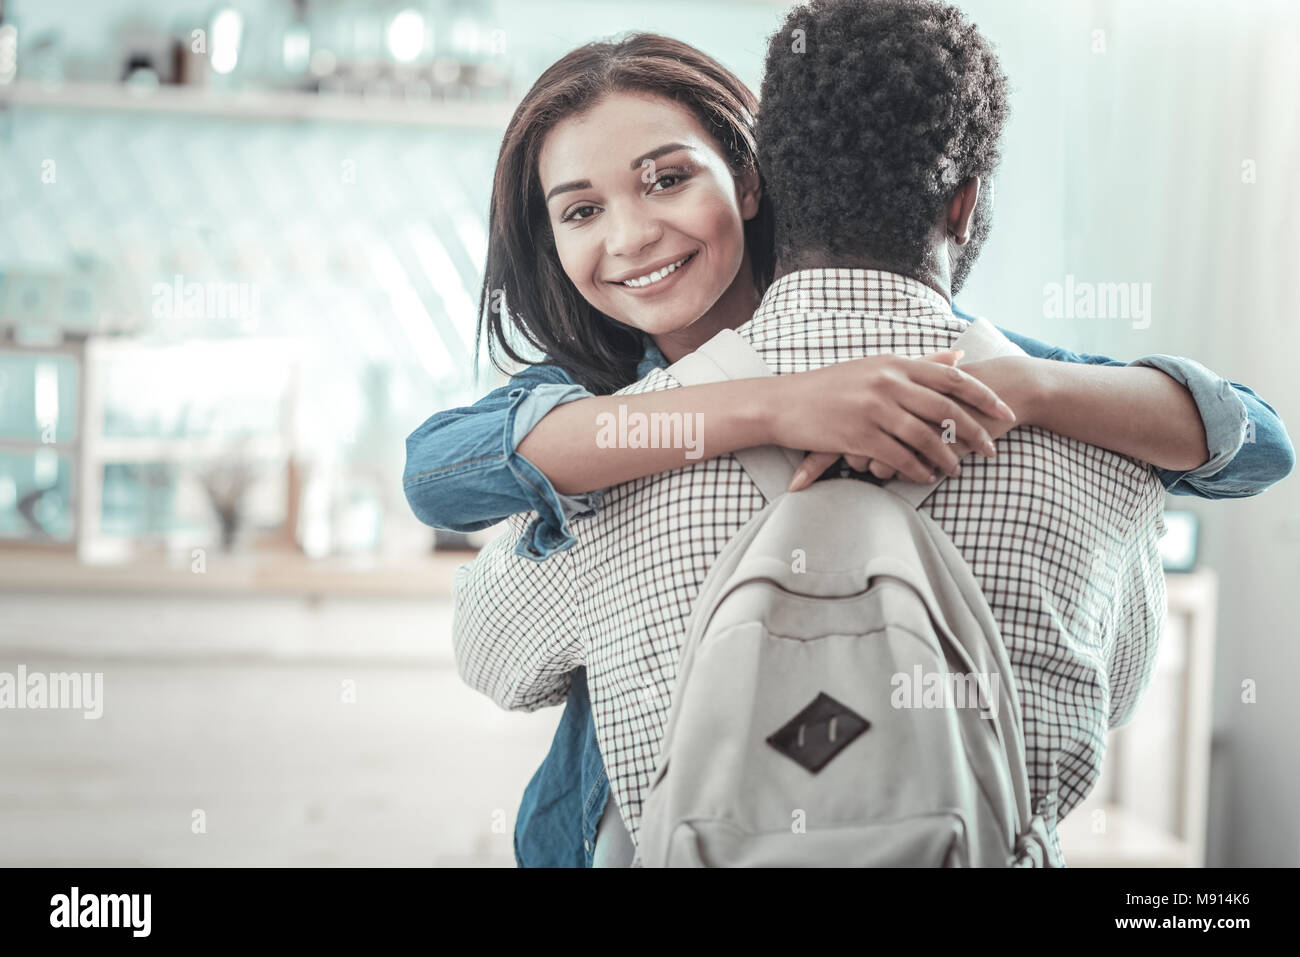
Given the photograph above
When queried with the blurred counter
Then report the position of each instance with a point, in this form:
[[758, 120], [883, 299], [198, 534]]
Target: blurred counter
[[273, 573]]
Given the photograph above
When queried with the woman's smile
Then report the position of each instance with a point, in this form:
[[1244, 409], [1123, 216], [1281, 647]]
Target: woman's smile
[[656, 279]]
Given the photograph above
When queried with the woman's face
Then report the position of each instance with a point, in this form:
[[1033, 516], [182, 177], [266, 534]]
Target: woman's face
[[647, 217]]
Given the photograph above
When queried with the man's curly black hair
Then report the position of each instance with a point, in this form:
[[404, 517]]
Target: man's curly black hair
[[868, 122]]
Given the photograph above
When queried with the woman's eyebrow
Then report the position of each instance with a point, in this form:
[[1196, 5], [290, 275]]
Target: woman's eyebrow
[[568, 188], [656, 153], [637, 163]]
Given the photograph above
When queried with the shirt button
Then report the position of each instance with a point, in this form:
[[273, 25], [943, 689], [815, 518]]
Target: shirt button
[[586, 844]]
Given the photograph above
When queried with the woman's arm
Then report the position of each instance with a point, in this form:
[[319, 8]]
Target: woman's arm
[[1204, 436], [882, 406], [1137, 412], [1142, 413], [543, 444], [1246, 444]]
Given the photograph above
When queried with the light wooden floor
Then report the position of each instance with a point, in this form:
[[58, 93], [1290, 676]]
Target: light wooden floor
[[419, 771]]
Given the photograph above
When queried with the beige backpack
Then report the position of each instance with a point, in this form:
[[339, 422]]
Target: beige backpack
[[803, 730]]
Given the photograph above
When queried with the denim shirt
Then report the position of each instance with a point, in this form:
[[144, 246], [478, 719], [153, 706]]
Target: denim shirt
[[463, 473], [570, 785]]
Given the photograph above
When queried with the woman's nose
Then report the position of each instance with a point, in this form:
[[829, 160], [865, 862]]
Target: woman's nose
[[630, 234]]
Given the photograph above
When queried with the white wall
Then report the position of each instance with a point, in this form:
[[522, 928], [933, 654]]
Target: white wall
[[1125, 166]]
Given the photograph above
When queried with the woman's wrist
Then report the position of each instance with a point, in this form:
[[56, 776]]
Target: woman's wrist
[[772, 403], [1023, 382], [1030, 392]]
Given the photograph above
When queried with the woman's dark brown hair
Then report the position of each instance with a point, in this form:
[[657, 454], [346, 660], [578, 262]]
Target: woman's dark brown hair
[[524, 286]]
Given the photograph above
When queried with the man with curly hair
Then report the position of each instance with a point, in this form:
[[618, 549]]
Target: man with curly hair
[[879, 134]]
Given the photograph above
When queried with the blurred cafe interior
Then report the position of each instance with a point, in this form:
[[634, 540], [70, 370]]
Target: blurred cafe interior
[[241, 244]]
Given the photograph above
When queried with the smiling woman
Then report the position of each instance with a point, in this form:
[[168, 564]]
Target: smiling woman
[[647, 230], [624, 160]]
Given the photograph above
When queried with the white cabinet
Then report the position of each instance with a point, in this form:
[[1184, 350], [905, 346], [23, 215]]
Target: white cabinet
[[1149, 806]]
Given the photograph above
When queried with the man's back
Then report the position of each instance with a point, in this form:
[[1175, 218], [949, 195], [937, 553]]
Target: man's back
[[1061, 536]]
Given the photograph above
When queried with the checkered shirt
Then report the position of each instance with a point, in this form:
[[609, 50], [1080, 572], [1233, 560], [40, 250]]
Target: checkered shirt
[[1061, 536]]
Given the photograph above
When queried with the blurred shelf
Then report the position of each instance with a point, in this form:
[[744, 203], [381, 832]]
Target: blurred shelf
[[259, 105], [255, 573]]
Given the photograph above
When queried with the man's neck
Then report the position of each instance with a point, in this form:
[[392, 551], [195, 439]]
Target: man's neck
[[935, 274]]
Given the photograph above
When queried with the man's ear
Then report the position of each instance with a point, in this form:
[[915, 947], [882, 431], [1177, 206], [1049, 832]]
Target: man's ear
[[961, 210], [749, 192]]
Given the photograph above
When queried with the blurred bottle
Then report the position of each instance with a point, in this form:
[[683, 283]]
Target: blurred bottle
[[296, 44], [8, 47], [314, 525]]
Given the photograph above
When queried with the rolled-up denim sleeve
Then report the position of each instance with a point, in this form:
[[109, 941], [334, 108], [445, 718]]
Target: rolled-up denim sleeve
[[1264, 453], [1223, 413], [463, 472], [1247, 441], [549, 532]]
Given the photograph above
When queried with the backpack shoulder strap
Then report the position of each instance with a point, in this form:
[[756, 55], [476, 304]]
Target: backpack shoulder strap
[[728, 356]]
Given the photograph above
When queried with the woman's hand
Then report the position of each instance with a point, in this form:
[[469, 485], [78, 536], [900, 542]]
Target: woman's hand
[[888, 409], [1014, 377]]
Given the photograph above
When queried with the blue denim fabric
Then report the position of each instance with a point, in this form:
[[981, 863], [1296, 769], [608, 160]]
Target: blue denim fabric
[[463, 473], [570, 783]]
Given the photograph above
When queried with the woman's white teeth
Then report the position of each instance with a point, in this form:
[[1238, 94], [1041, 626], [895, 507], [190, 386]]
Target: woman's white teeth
[[656, 275]]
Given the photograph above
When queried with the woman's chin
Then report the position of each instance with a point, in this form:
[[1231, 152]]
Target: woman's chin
[[657, 324], [667, 318]]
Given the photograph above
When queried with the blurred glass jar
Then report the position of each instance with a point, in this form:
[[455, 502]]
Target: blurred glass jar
[[42, 60], [190, 66]]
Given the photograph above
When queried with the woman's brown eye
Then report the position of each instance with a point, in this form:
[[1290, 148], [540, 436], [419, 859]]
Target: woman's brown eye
[[573, 213]]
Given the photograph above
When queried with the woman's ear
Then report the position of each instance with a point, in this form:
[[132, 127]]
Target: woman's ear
[[749, 192]]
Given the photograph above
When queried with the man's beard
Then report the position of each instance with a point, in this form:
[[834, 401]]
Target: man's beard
[[983, 222]]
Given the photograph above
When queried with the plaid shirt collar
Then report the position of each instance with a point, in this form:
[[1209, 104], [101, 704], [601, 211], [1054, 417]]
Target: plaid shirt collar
[[841, 290], [849, 291]]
